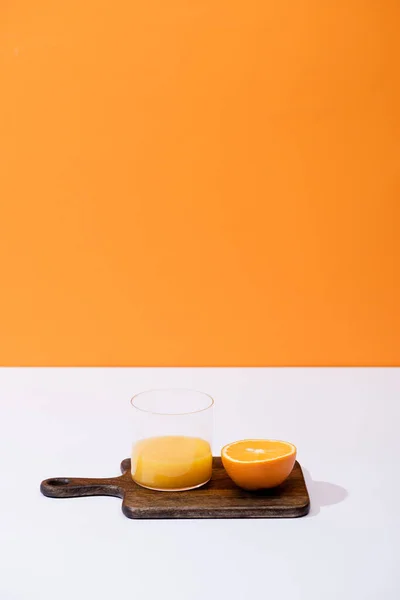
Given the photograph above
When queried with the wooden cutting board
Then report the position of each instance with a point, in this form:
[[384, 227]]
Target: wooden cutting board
[[218, 499]]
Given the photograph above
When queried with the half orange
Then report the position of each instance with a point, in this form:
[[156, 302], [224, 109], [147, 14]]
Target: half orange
[[258, 464]]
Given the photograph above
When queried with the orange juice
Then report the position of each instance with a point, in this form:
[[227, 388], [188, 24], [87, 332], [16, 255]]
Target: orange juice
[[171, 462]]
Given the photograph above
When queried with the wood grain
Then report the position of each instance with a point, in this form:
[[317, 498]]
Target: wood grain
[[219, 499]]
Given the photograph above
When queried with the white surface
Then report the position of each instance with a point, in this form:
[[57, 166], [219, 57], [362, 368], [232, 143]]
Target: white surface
[[75, 422]]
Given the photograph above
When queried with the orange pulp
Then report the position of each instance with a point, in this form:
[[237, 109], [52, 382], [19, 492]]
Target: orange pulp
[[258, 464]]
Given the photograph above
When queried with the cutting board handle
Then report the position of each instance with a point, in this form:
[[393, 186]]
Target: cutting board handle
[[73, 487]]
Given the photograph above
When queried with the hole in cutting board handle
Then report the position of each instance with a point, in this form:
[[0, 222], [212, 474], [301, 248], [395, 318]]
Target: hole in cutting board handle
[[58, 482]]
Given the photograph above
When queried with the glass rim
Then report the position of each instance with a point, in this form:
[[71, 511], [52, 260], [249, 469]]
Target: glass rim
[[167, 414]]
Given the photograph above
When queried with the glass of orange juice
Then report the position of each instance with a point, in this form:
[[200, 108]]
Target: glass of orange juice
[[171, 449]]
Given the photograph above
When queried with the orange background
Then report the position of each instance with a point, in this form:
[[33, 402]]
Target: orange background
[[199, 182]]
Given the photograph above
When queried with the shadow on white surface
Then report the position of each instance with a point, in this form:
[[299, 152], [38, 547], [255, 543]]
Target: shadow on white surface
[[323, 493]]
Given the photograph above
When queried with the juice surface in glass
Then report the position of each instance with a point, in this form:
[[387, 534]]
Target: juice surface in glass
[[171, 462]]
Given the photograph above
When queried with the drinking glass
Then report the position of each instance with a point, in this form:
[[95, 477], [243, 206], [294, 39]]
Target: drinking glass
[[172, 437]]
